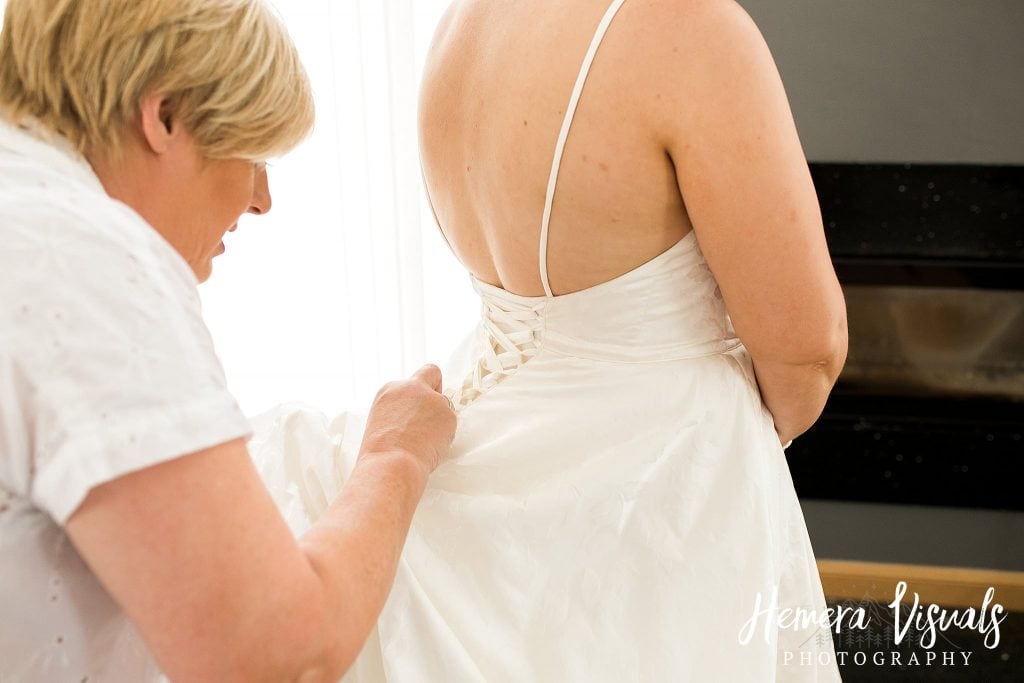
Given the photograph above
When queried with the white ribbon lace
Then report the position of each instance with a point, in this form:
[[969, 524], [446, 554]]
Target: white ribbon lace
[[510, 338]]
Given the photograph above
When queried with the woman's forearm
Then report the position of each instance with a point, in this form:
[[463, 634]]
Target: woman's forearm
[[795, 394], [354, 547]]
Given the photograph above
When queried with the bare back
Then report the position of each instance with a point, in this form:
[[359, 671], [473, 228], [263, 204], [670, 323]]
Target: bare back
[[497, 85], [683, 125]]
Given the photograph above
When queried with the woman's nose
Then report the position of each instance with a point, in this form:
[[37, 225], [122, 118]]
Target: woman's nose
[[261, 201]]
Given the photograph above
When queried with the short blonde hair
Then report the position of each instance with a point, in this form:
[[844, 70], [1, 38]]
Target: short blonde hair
[[82, 67]]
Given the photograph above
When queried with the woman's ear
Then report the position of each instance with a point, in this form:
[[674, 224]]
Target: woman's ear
[[159, 124]]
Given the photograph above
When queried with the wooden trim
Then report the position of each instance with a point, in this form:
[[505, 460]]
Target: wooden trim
[[945, 586]]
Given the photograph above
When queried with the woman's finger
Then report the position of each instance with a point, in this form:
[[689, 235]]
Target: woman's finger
[[431, 374]]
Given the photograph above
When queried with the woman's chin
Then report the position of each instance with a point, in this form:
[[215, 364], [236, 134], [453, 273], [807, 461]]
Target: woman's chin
[[204, 270]]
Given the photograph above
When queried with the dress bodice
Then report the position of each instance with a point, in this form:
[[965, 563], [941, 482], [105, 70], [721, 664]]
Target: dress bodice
[[665, 309]]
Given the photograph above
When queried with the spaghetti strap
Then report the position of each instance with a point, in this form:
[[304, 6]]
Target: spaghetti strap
[[564, 135]]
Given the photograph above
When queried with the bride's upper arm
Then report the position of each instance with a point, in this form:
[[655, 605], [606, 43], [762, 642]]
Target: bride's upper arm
[[744, 179]]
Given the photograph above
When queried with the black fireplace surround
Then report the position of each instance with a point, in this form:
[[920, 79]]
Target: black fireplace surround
[[930, 406]]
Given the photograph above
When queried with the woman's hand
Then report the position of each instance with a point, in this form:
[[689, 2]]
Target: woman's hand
[[411, 417]]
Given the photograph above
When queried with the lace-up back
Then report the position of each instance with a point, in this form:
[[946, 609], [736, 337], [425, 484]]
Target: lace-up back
[[509, 331]]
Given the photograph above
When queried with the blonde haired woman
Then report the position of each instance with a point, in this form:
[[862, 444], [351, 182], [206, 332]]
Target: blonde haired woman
[[132, 137]]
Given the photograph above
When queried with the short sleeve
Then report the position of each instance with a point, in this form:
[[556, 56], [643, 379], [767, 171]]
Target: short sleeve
[[115, 361]]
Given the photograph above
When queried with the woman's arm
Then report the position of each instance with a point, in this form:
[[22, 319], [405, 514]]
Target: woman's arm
[[197, 555], [795, 394], [747, 189]]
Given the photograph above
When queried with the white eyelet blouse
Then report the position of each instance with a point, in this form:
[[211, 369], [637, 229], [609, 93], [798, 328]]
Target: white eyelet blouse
[[106, 367]]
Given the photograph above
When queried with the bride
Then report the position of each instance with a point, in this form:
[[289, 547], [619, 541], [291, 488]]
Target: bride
[[659, 314]]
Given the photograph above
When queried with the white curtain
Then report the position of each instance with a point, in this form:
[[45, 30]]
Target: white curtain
[[346, 283]]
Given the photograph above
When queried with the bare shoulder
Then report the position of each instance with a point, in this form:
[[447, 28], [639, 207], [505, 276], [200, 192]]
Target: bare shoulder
[[447, 19], [454, 18], [709, 21], [688, 49]]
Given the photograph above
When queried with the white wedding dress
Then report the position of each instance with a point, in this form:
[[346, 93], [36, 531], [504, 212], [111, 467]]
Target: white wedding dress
[[616, 500]]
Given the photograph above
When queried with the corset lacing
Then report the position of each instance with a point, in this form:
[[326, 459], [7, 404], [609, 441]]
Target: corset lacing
[[510, 338]]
